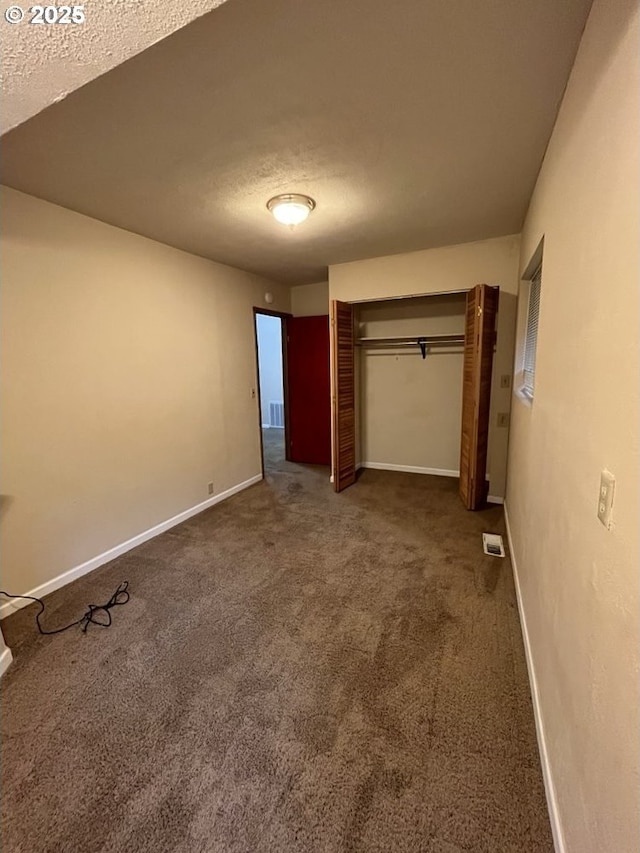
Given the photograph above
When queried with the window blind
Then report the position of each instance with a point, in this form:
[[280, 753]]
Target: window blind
[[532, 333]]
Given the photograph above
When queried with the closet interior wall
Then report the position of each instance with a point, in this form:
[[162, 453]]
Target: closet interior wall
[[408, 412]]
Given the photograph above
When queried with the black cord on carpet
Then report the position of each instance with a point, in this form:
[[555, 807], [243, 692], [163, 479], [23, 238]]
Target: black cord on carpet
[[120, 596]]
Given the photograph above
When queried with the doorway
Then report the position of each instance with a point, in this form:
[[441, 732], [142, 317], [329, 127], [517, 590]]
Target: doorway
[[271, 357], [294, 402]]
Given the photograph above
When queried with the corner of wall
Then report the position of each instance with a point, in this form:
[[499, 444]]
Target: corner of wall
[[549, 786], [5, 656]]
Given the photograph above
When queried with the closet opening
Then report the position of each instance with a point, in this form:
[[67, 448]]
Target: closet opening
[[411, 383]]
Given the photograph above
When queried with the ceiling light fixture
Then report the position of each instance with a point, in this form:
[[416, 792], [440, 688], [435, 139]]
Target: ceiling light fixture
[[291, 208]]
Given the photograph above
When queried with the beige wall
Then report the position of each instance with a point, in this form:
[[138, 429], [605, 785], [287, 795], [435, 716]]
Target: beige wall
[[445, 270], [410, 408], [310, 300], [127, 369], [579, 581]]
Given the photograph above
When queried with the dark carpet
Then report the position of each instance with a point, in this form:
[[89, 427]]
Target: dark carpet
[[296, 671]]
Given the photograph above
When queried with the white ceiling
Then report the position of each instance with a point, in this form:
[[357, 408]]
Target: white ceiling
[[41, 64], [413, 124]]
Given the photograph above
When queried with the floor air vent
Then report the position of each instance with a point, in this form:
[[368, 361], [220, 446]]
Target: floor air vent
[[276, 415], [492, 544]]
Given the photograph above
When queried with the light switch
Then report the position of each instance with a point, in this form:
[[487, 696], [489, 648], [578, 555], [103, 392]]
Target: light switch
[[505, 381], [605, 498]]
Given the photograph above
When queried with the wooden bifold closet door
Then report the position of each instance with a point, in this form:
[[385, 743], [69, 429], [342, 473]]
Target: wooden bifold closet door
[[343, 403], [479, 341]]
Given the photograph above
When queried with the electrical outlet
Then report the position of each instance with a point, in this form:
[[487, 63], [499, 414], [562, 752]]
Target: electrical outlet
[[505, 381], [210, 488], [503, 419], [605, 498]]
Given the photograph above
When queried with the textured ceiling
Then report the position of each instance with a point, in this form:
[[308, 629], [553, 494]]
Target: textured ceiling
[[413, 124], [43, 63]]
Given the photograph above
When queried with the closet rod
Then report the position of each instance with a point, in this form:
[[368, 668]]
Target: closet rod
[[422, 341], [412, 339]]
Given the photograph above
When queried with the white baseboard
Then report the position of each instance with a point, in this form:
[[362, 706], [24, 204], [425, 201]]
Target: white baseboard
[[550, 788], [78, 571], [5, 661], [411, 469]]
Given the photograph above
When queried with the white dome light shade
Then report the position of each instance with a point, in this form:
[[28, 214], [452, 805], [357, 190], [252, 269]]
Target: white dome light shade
[[291, 209]]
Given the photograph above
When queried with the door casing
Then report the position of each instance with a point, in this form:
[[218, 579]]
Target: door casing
[[285, 377]]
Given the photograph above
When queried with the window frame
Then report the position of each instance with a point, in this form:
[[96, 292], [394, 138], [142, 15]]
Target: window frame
[[524, 388], [530, 343]]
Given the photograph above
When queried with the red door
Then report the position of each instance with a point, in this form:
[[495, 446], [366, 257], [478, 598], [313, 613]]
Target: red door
[[309, 395]]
